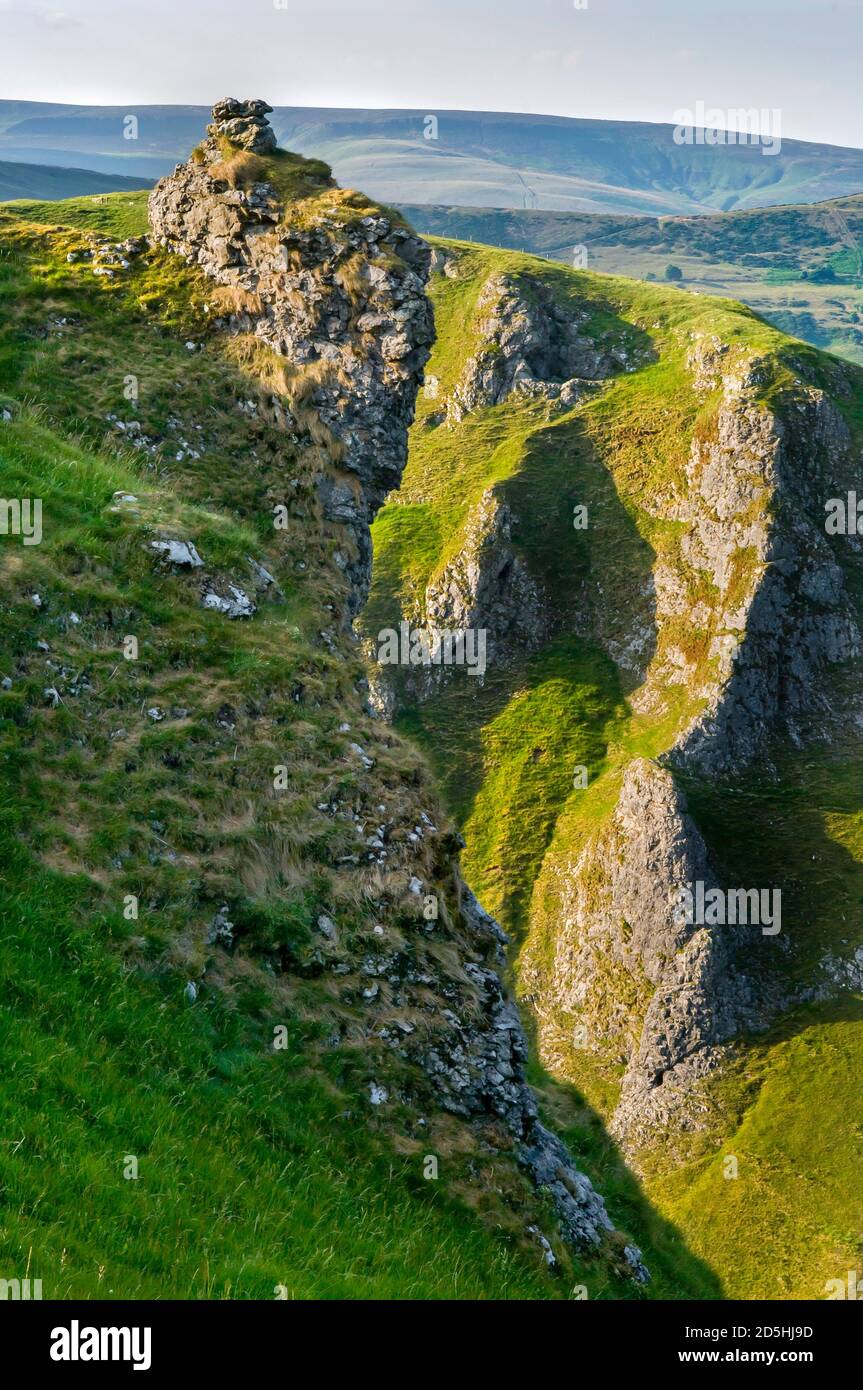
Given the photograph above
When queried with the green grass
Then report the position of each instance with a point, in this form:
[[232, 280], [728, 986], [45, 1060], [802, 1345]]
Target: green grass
[[504, 752], [256, 1168], [790, 1220], [117, 215], [252, 1169], [505, 755]]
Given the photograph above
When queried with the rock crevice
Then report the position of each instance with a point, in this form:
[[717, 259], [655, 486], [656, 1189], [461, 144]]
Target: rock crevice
[[339, 296]]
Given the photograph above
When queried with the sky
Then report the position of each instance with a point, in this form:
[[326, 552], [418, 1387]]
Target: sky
[[612, 59]]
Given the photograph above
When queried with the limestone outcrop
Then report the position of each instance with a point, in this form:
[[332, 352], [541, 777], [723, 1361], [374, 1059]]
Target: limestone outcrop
[[336, 292], [530, 343], [475, 1057], [637, 983], [485, 588], [634, 987], [487, 585], [244, 123], [753, 512]]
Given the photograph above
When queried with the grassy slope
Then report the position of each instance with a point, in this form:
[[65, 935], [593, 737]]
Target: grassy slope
[[505, 753], [764, 257], [253, 1168], [41, 181], [119, 214], [791, 1220], [252, 1171]]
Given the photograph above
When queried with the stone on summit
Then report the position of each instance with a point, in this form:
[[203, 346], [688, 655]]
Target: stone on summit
[[244, 123]]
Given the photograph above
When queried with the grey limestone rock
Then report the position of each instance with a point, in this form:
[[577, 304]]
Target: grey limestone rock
[[342, 300], [531, 343], [478, 1068], [689, 988]]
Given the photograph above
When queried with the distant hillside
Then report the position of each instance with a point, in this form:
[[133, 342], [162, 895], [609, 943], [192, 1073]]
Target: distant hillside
[[801, 266], [483, 159], [48, 184]]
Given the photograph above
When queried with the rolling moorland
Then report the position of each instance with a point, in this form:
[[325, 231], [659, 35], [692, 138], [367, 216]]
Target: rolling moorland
[[634, 200], [800, 267], [42, 181], [479, 158], [663, 649]]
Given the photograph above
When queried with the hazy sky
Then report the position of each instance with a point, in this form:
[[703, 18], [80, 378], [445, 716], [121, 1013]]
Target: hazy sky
[[623, 59]]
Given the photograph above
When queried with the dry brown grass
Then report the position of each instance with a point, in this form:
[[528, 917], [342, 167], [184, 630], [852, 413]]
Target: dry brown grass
[[239, 168], [233, 299], [351, 275]]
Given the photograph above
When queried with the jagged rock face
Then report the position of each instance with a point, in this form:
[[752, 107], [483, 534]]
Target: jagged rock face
[[752, 496], [444, 263], [340, 299], [531, 343], [364, 352], [771, 599], [636, 983], [487, 585], [635, 989], [477, 1068]]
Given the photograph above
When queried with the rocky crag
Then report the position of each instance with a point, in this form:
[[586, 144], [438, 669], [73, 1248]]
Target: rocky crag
[[735, 636], [779, 616], [336, 295], [755, 506], [529, 343], [530, 347]]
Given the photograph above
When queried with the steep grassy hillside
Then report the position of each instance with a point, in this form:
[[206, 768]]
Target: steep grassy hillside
[[42, 181], [800, 266], [488, 159], [577, 693], [139, 797]]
